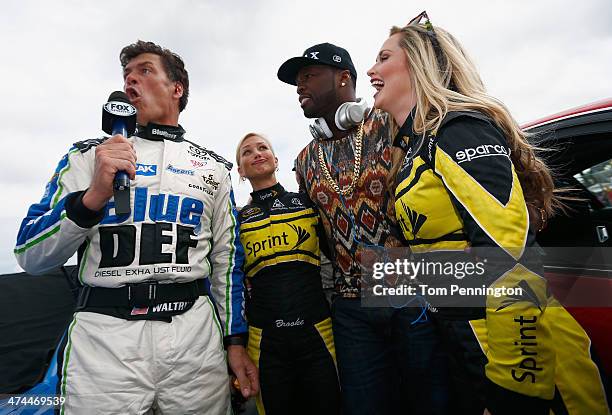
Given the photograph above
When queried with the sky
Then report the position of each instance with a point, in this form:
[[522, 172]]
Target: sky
[[60, 62]]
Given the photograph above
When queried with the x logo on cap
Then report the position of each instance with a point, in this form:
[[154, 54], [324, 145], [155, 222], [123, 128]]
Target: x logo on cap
[[313, 55]]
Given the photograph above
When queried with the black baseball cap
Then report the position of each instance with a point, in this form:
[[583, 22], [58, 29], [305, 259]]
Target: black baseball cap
[[321, 54]]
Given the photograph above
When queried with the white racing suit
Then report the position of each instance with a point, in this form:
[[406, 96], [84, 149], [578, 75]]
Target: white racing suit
[[182, 227]]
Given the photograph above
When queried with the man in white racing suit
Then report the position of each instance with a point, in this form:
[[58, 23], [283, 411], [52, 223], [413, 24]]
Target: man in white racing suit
[[146, 336]]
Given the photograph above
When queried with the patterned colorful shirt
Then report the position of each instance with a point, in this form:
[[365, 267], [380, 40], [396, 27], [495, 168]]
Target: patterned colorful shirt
[[366, 216]]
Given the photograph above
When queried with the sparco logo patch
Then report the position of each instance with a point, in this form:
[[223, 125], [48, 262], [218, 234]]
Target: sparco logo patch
[[485, 150], [122, 109], [146, 169]]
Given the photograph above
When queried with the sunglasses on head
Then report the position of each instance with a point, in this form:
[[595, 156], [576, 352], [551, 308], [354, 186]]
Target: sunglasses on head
[[418, 19], [423, 20]]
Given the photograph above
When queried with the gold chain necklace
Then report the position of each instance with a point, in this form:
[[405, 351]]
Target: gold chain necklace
[[357, 165]]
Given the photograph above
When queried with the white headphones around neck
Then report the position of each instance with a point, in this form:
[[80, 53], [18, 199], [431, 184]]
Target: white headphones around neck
[[348, 115]]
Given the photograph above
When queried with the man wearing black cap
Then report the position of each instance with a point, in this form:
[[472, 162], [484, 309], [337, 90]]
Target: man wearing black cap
[[344, 170], [322, 63]]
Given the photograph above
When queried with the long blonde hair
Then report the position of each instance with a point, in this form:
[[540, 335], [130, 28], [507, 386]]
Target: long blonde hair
[[445, 79]]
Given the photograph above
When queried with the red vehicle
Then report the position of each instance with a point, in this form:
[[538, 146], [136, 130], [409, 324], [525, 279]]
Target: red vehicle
[[578, 263]]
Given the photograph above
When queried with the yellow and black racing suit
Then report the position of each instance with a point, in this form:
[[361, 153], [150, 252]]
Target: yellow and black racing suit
[[290, 334], [457, 190]]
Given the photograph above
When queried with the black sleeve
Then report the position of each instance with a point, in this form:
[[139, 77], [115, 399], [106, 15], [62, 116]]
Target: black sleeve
[[472, 158], [79, 214], [239, 339]]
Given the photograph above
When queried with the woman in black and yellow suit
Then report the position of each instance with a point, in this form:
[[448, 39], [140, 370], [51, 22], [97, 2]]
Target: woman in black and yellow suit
[[290, 335], [466, 180]]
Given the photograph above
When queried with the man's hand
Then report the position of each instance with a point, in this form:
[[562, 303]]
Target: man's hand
[[244, 369], [115, 154]]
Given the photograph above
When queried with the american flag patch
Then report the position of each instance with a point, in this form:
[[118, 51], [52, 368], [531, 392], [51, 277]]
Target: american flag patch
[[139, 311]]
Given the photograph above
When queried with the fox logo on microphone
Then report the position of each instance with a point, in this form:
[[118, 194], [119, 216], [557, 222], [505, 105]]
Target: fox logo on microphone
[[121, 109]]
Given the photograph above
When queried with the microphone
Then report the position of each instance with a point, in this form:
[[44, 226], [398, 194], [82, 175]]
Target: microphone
[[119, 117]]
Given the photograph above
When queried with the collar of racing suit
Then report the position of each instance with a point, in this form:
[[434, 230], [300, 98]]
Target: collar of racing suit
[[405, 131], [159, 132], [269, 193]]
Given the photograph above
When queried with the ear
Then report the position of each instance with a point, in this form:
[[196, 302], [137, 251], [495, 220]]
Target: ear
[[344, 79], [275, 161], [240, 171], [178, 90]]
